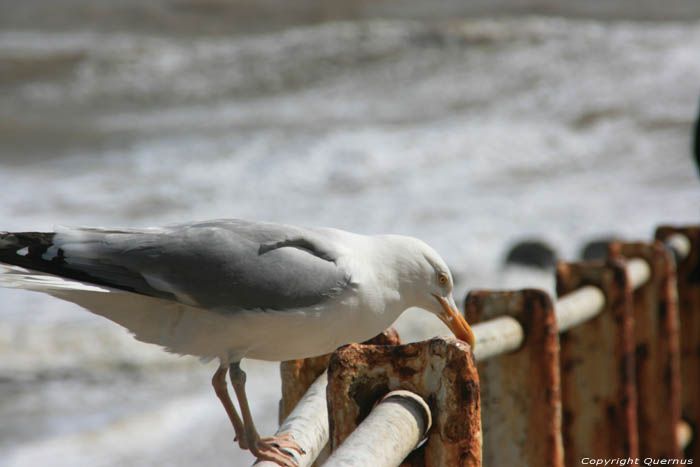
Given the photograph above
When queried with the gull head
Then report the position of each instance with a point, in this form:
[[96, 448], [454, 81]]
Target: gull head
[[426, 282]]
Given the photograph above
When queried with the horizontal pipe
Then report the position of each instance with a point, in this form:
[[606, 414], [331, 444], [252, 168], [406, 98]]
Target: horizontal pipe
[[504, 334], [685, 434], [394, 428], [638, 272], [578, 306], [497, 336], [679, 244], [308, 424]]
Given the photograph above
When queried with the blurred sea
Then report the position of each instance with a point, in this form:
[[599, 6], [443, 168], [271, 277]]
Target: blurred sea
[[467, 126]]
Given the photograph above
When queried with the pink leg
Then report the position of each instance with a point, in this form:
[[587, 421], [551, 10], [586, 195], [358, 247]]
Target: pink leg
[[268, 448], [219, 383]]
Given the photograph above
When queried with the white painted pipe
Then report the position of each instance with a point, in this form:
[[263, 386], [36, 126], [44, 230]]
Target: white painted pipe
[[679, 244], [684, 433], [638, 272], [578, 307], [394, 428], [308, 424], [497, 336], [504, 334]]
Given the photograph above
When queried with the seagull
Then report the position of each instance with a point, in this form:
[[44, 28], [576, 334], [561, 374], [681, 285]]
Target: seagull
[[230, 289]]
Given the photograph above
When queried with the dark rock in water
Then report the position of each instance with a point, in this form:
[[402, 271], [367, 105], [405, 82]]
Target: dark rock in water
[[596, 249], [533, 253]]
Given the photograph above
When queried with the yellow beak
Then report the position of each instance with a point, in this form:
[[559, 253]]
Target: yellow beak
[[455, 321]]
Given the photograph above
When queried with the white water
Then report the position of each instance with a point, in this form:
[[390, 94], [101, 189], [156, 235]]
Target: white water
[[469, 134]]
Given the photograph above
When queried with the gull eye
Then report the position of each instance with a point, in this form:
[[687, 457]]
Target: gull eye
[[443, 279]]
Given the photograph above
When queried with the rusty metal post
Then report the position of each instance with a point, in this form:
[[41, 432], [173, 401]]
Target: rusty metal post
[[520, 396], [657, 361], [688, 279], [441, 370], [393, 429], [597, 368]]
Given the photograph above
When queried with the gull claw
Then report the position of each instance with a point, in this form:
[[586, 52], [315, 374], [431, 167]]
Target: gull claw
[[284, 441], [270, 449]]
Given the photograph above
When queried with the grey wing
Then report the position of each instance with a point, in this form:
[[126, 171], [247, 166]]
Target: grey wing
[[225, 264]]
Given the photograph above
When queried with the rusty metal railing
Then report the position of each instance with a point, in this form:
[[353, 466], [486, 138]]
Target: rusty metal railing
[[560, 380]]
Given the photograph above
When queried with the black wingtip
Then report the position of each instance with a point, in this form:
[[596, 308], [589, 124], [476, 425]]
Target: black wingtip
[[25, 249]]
